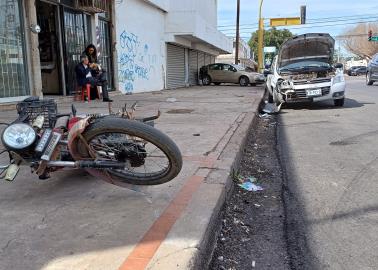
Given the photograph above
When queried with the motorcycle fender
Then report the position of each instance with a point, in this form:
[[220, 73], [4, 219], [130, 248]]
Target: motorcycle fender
[[73, 137]]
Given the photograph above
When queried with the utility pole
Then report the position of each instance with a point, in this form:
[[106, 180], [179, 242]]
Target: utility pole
[[338, 53], [303, 14], [261, 39], [237, 33]]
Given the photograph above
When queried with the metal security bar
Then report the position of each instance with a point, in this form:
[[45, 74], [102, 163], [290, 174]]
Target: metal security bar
[[12, 61], [76, 34], [95, 6], [105, 53]]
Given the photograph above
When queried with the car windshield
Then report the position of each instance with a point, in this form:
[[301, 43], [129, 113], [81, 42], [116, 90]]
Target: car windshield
[[303, 65], [239, 68]]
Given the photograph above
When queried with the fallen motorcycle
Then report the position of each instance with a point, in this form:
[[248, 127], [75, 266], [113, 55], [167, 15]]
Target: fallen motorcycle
[[116, 147]]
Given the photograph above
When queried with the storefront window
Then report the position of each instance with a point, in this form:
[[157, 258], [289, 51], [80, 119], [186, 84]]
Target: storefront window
[[13, 75]]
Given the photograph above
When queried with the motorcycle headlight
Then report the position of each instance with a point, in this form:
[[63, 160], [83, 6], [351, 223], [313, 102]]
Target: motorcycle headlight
[[18, 136], [338, 79]]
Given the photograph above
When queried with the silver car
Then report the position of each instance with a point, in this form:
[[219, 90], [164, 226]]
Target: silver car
[[226, 73], [304, 70]]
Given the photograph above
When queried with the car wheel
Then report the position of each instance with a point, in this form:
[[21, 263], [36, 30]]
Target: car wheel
[[369, 81], [244, 81], [206, 80], [339, 102], [217, 83]]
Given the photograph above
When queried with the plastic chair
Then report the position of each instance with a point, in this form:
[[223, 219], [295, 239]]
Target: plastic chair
[[81, 92]]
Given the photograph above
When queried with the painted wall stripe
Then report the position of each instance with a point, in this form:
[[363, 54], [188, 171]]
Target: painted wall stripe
[[144, 251]]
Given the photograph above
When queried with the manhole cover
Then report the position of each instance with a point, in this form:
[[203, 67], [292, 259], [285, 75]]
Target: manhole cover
[[180, 111]]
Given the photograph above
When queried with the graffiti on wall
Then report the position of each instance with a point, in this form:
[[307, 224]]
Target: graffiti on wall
[[135, 61]]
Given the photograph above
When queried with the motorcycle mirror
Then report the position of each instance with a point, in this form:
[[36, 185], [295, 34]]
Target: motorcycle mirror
[[73, 109]]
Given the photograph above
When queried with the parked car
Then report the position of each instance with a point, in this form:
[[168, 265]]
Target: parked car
[[303, 71], [357, 70], [227, 73], [372, 70]]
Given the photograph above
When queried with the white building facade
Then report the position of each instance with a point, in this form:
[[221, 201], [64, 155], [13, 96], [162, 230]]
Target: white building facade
[[144, 45], [161, 44]]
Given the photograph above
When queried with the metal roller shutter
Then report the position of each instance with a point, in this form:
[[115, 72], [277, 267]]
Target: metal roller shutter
[[207, 59], [201, 59], [193, 67], [175, 67]]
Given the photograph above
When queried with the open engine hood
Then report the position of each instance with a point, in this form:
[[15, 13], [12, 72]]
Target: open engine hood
[[319, 47]]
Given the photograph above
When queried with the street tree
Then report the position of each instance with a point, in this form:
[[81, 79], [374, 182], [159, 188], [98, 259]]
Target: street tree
[[355, 40], [272, 37]]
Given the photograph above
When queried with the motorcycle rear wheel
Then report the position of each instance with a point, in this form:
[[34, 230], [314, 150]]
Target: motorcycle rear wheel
[[120, 130]]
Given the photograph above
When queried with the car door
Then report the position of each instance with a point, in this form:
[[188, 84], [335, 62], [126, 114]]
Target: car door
[[229, 74], [215, 72], [361, 71], [374, 67]]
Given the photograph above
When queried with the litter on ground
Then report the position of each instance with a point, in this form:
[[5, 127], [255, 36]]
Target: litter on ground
[[249, 184], [271, 108], [264, 115]]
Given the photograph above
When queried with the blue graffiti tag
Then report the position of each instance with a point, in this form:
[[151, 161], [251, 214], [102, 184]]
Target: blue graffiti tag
[[135, 61], [129, 88]]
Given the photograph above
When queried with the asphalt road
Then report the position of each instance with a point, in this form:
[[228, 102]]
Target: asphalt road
[[330, 159]]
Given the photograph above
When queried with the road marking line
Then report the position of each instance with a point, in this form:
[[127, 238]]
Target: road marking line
[[144, 251]]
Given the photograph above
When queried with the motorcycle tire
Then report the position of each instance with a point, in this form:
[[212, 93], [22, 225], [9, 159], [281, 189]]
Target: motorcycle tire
[[147, 133]]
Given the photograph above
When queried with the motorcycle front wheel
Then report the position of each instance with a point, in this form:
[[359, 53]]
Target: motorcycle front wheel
[[151, 157]]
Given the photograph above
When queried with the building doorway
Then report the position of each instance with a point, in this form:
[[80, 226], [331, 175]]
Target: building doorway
[[49, 49], [76, 36], [65, 32]]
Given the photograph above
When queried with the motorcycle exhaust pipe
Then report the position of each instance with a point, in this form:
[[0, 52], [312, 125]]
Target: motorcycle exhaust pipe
[[85, 164]]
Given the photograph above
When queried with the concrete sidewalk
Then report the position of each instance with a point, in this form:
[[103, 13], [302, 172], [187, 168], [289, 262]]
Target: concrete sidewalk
[[74, 221]]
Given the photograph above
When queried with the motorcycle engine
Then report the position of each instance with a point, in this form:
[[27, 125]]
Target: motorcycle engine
[[134, 153]]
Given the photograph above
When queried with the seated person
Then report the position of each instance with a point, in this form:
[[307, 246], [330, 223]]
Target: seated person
[[84, 77], [97, 72]]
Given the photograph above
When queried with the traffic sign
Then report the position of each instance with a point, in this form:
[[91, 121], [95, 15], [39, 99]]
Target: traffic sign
[[271, 49], [285, 21]]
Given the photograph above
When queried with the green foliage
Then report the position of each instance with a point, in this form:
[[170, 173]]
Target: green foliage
[[272, 37]]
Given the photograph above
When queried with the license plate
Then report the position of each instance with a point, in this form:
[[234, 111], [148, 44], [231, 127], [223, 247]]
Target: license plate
[[314, 92]]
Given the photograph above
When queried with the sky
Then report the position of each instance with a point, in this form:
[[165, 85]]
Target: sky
[[336, 14]]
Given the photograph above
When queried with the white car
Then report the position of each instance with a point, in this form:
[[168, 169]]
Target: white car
[[303, 71]]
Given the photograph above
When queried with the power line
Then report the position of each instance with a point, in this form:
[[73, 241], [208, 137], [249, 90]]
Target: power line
[[360, 15], [325, 19], [339, 36], [313, 23], [299, 27]]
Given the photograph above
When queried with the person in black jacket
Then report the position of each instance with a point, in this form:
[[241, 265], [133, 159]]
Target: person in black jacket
[[84, 76], [98, 73]]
